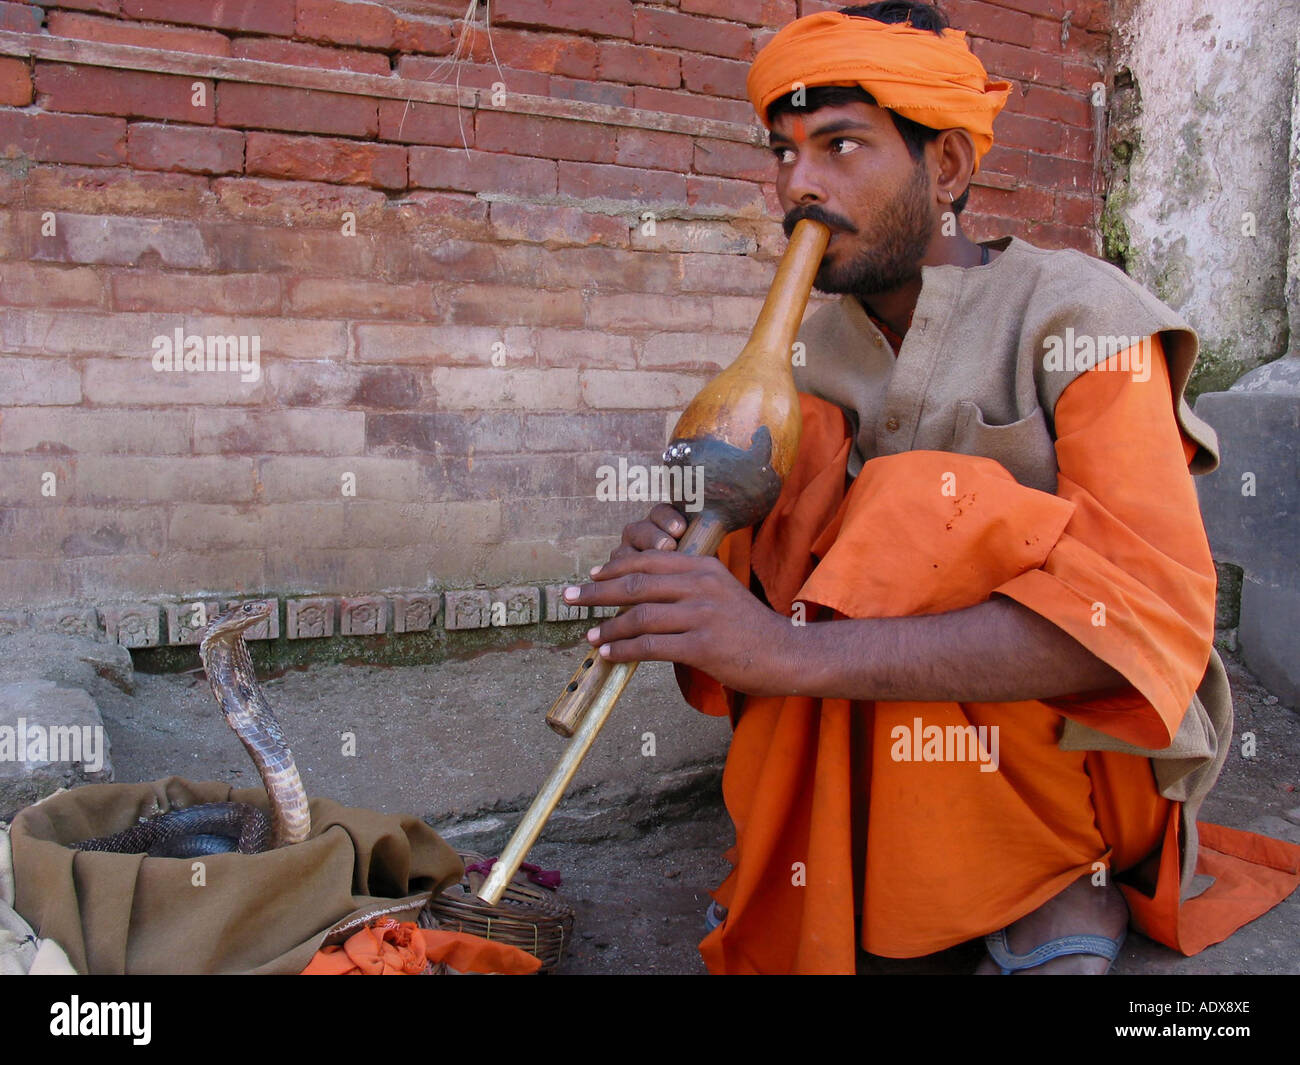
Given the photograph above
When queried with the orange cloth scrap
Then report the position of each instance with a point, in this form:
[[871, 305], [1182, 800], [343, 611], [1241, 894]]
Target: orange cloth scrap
[[386, 947], [831, 825], [931, 79]]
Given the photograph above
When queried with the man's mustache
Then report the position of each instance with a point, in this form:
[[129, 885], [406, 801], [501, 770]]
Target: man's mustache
[[819, 214]]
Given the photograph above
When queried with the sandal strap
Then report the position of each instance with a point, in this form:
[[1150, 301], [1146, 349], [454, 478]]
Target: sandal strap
[[1000, 951]]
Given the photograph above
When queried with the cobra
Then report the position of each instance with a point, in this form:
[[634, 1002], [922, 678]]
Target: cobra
[[213, 828]]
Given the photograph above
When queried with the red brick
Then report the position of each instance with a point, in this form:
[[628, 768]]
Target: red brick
[[609, 18], [653, 149], [106, 7], [734, 160], [1091, 15], [1026, 131], [1077, 209], [54, 138], [1081, 44], [472, 75], [733, 197], [1045, 8], [638, 65], [592, 91], [417, 123], [1003, 160], [714, 77], [1013, 63], [416, 208], [15, 83], [671, 29], [41, 285], [114, 190], [517, 305], [1053, 235], [299, 110], [359, 24], [461, 171], [549, 138], [1077, 143], [596, 181], [422, 35], [21, 18], [551, 53], [769, 13], [1069, 107], [104, 91], [140, 34], [1081, 76], [351, 298], [257, 16], [148, 290], [991, 22], [199, 150], [556, 225], [685, 103], [295, 53], [338, 162], [1052, 172], [1026, 202]]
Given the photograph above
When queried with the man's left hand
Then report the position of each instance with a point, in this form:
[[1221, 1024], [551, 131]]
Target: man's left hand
[[689, 609]]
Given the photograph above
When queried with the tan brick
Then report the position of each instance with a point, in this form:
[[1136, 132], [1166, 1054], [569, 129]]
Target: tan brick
[[557, 226], [470, 388], [192, 479], [301, 203], [715, 237], [300, 477], [583, 348], [97, 432], [301, 383], [691, 351], [440, 344], [614, 389], [526, 560], [76, 333], [394, 525], [39, 382], [28, 479], [63, 531], [104, 191], [508, 305], [130, 382], [147, 290], [288, 337], [121, 241], [291, 431], [355, 298]]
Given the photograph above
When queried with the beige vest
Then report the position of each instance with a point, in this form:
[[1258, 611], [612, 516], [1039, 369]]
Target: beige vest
[[987, 356]]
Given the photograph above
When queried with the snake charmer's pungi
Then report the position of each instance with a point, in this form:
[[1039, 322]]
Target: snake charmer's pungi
[[1017, 534]]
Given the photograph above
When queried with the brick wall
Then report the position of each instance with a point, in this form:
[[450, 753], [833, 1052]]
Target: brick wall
[[459, 310]]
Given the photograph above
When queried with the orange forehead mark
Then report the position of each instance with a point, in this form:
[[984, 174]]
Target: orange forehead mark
[[798, 130]]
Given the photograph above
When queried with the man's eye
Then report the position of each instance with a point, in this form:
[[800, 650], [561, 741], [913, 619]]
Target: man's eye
[[842, 145], [783, 155]]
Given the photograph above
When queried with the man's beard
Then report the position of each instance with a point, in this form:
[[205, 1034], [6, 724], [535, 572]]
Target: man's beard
[[895, 259]]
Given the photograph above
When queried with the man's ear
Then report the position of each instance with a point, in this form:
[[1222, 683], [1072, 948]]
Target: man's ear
[[955, 153]]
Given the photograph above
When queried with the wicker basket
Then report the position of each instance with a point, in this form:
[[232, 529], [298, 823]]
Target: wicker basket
[[528, 917]]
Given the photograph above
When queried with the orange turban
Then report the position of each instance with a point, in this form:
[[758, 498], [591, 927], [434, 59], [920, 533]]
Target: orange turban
[[931, 79]]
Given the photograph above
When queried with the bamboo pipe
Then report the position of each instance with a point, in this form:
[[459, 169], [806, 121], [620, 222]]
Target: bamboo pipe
[[743, 429]]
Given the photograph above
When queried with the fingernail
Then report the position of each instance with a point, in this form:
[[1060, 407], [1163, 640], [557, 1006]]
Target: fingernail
[[571, 592], [593, 632], [664, 544], [679, 526], [604, 650], [596, 569]]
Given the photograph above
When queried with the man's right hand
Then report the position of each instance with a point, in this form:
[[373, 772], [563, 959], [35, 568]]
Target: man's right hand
[[659, 531]]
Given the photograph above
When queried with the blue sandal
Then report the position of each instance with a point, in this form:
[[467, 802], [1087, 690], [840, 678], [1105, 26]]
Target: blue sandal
[[1000, 951]]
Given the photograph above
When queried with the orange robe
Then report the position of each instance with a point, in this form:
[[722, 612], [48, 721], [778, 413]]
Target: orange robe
[[832, 827]]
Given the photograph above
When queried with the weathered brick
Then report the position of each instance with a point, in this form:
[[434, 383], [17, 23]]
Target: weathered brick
[[297, 110], [355, 298], [114, 190], [146, 290], [764, 13], [551, 53], [549, 138], [725, 196], [444, 432], [119, 241], [596, 181], [717, 237], [507, 305], [257, 16], [584, 348], [128, 382], [725, 273], [139, 34], [344, 162], [71, 531], [672, 29], [93, 431], [422, 35], [653, 149], [556, 225], [475, 171], [360, 24], [1026, 131], [105, 91], [612, 18], [419, 123], [1077, 210], [439, 345], [609, 270], [104, 7], [1077, 143], [487, 77], [1025, 202], [15, 83], [63, 138], [734, 160], [308, 478], [327, 432], [992, 22], [299, 54], [295, 203], [200, 150], [685, 103], [21, 18], [473, 388], [38, 382], [692, 351], [1013, 63], [614, 389], [714, 76], [561, 88], [279, 336], [299, 383], [461, 213], [1053, 172], [36, 285], [637, 64], [192, 479]]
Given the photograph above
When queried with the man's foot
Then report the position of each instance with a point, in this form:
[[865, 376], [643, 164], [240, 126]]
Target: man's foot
[[1080, 909]]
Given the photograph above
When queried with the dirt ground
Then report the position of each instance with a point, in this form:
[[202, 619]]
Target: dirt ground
[[639, 840]]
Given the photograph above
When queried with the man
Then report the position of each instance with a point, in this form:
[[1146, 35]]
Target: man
[[968, 655]]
